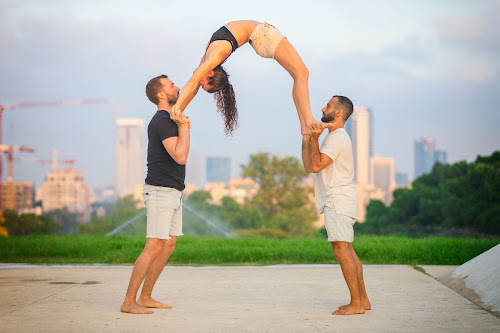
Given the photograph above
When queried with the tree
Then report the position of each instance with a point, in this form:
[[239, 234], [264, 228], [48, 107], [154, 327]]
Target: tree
[[460, 196], [123, 210], [3, 230], [66, 219], [282, 197], [26, 224], [199, 198]]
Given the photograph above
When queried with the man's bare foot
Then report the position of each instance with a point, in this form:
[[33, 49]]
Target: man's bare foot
[[366, 304], [349, 309], [151, 303], [134, 308]]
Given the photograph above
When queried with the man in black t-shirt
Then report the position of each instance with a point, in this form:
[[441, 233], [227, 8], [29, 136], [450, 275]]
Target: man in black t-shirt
[[168, 148]]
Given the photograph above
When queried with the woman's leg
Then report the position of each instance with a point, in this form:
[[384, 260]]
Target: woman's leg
[[289, 59]]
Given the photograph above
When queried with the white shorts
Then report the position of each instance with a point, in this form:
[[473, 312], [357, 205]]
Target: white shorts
[[338, 227], [265, 40], [164, 211]]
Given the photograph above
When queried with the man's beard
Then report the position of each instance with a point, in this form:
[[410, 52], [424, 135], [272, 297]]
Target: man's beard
[[328, 117], [172, 99]]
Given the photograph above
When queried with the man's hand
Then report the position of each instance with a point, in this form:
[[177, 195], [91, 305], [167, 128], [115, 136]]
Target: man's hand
[[316, 124], [179, 118], [317, 129], [187, 123]]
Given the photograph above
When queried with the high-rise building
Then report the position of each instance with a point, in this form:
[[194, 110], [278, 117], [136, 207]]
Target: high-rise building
[[129, 155], [17, 196], [66, 188], [195, 174], [441, 156], [218, 169], [426, 155], [382, 175], [423, 156], [401, 179], [360, 131]]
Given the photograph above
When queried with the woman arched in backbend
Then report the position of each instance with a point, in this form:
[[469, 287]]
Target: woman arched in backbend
[[267, 42]]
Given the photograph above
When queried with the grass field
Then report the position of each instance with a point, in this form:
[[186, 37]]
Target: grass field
[[241, 251]]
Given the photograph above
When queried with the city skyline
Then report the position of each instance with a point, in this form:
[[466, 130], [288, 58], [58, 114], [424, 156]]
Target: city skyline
[[426, 155], [426, 69]]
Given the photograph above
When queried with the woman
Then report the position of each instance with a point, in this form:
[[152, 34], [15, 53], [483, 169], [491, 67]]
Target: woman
[[268, 42]]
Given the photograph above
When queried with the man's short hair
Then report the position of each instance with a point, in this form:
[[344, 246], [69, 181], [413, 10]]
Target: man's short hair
[[153, 88], [345, 104]]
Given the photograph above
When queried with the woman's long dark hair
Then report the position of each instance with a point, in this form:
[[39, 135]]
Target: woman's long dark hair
[[225, 99]]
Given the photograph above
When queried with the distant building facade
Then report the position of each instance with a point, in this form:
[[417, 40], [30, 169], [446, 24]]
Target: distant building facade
[[239, 189], [129, 155], [195, 168], [359, 128], [441, 156], [383, 176], [401, 179], [426, 155], [66, 188], [218, 170], [18, 196]]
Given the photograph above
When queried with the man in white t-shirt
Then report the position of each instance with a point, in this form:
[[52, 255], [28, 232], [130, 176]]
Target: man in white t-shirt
[[336, 195]]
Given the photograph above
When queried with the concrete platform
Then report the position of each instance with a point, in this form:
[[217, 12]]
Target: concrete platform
[[479, 280], [234, 299]]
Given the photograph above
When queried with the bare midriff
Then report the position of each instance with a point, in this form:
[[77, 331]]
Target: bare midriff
[[242, 30]]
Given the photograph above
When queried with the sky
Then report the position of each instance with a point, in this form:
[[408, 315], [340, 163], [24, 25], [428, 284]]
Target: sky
[[426, 68]]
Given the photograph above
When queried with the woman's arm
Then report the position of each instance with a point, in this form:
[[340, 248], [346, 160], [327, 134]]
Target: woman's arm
[[190, 89], [190, 97]]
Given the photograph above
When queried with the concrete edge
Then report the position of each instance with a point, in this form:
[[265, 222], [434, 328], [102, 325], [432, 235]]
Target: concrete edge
[[457, 284]]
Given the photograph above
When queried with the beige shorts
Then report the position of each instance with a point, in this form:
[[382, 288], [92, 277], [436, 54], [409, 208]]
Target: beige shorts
[[164, 211], [338, 227], [265, 40]]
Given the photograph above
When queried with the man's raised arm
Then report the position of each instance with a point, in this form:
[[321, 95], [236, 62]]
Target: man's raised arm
[[306, 156]]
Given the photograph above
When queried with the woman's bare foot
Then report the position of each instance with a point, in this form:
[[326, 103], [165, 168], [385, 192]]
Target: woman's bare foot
[[305, 130], [349, 309], [366, 304], [134, 308], [151, 303]]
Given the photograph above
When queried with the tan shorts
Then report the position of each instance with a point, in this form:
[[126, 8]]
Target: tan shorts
[[338, 227], [164, 211], [265, 40]]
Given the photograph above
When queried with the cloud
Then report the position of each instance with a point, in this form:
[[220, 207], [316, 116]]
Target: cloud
[[480, 32], [412, 49]]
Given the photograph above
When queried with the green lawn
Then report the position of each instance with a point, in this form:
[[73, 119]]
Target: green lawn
[[241, 251]]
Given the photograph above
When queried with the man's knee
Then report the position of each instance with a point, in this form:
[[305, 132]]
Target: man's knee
[[170, 243], [153, 247]]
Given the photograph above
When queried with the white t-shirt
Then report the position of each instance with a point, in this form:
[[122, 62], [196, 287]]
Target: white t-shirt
[[334, 184]]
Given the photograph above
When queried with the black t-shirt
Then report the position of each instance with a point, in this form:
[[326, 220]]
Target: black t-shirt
[[163, 170]]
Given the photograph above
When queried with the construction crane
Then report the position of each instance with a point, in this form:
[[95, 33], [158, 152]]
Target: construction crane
[[40, 104], [9, 150], [54, 162]]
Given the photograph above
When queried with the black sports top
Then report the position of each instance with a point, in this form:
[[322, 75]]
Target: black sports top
[[224, 34], [163, 170]]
